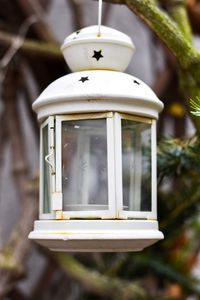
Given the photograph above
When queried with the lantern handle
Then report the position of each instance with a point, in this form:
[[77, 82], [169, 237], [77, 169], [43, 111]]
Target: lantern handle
[[49, 162], [99, 18]]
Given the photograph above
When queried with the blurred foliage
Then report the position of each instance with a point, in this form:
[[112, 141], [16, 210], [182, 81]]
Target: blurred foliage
[[195, 105], [165, 270]]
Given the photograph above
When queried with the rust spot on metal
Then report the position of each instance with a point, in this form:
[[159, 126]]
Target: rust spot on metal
[[59, 215]]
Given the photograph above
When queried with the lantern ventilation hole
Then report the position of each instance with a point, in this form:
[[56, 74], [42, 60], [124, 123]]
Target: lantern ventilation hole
[[136, 82]]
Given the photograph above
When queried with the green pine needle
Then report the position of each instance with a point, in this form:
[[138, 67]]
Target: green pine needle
[[195, 105]]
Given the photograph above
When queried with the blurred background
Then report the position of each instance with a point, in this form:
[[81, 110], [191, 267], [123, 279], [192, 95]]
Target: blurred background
[[31, 32]]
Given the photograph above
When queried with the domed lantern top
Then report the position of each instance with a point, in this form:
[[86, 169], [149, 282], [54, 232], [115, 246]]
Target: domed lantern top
[[86, 50], [98, 87], [98, 150]]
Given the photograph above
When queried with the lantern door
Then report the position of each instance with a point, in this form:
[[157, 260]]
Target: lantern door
[[85, 165], [47, 168]]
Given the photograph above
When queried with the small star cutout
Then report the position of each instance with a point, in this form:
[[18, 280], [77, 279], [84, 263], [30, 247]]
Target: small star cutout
[[97, 54], [77, 32], [135, 81], [83, 79]]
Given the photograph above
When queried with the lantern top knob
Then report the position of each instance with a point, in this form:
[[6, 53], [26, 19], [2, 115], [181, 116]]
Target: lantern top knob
[[86, 49]]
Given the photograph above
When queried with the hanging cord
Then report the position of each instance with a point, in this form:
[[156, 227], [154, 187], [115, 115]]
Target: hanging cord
[[99, 18]]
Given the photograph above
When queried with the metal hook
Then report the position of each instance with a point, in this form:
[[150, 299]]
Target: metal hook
[[48, 161]]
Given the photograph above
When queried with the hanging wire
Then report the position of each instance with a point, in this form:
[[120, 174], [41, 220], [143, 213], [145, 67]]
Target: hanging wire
[[99, 18]]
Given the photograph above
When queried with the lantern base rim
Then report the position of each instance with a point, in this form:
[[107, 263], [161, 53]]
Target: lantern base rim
[[96, 235]]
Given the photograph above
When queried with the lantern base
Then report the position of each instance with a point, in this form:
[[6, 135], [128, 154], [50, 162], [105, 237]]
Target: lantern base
[[96, 235]]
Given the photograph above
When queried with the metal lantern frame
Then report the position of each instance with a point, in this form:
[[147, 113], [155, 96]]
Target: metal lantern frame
[[98, 91]]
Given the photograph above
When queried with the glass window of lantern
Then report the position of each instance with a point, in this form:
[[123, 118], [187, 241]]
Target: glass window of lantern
[[137, 169], [45, 166], [85, 173], [104, 166], [136, 165], [84, 165]]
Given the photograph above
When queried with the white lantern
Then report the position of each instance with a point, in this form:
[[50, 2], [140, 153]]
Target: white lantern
[[98, 150]]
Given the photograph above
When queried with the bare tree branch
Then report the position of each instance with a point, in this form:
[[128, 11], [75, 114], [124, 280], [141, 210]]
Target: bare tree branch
[[13, 255], [101, 284], [77, 14], [32, 48], [25, 90], [168, 32], [30, 8], [113, 288]]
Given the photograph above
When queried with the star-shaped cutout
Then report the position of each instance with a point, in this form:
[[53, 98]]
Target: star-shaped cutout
[[77, 32], [83, 79], [135, 81], [97, 54]]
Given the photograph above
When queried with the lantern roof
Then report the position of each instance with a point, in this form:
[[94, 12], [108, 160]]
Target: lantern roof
[[97, 84], [94, 91]]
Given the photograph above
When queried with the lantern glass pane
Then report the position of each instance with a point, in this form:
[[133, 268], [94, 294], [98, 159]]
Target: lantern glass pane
[[46, 174], [136, 165], [84, 165]]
